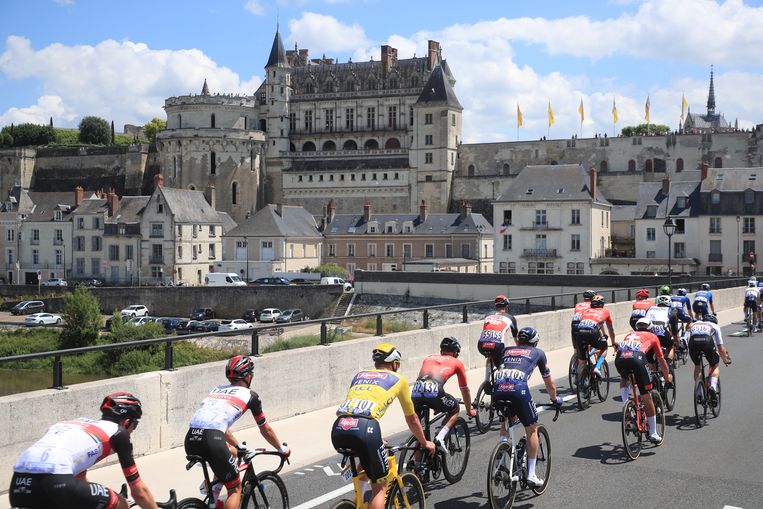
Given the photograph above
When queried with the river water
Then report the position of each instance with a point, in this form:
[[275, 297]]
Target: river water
[[22, 380]]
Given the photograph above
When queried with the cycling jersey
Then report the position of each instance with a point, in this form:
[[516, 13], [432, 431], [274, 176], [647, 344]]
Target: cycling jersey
[[224, 405], [511, 380], [373, 391], [579, 308], [683, 300], [640, 341], [751, 298], [595, 319], [664, 323], [429, 390], [495, 327], [644, 304], [702, 301], [440, 368], [633, 352], [704, 338], [677, 308], [708, 329]]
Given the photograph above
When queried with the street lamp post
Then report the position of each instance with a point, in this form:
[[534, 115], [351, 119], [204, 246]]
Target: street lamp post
[[246, 246], [739, 253], [669, 227]]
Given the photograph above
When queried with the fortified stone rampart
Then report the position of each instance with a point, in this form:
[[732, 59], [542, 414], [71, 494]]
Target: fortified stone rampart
[[16, 167]]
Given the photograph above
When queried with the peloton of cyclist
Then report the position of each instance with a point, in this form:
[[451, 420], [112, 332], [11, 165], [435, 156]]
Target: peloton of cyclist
[[52, 473], [356, 427], [705, 338], [641, 305], [703, 302], [591, 333], [429, 389], [495, 327], [209, 434], [511, 384], [664, 324], [638, 349], [752, 302], [681, 304], [578, 311]]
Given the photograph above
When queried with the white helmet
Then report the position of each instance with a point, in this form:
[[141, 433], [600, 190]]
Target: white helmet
[[643, 324], [752, 284]]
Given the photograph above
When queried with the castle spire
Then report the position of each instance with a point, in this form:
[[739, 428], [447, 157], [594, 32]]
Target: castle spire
[[277, 53], [711, 95], [205, 88]]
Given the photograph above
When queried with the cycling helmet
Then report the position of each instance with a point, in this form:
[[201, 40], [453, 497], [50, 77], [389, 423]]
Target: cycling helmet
[[681, 292], [501, 300], [386, 352], [642, 294], [450, 344], [664, 290], [597, 301], [710, 318], [705, 286], [588, 294], [528, 335], [239, 367], [121, 405], [643, 324], [752, 284], [662, 301]]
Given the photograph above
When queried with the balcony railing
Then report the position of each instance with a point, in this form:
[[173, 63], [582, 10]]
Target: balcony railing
[[540, 253], [58, 242], [156, 259], [715, 257], [540, 226]]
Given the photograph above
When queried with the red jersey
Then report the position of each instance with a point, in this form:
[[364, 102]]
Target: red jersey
[[642, 341], [597, 316], [579, 308], [441, 367], [643, 304]]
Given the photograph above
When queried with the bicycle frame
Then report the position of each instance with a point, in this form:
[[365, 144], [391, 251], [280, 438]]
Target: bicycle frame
[[640, 411], [392, 474]]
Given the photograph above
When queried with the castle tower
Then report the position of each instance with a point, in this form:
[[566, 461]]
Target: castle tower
[[275, 123]]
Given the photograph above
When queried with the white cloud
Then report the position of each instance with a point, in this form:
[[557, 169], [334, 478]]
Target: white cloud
[[255, 7], [64, 2], [124, 81], [324, 34], [47, 106]]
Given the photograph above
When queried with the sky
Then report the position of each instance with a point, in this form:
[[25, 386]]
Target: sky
[[67, 59]]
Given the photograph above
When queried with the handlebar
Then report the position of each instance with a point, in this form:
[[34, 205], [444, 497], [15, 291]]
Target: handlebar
[[557, 408], [171, 503], [247, 455]]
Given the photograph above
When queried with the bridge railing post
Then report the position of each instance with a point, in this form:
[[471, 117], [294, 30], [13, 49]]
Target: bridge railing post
[[58, 373], [553, 303], [255, 343], [527, 306], [324, 334], [465, 315], [379, 325], [168, 356], [426, 319]]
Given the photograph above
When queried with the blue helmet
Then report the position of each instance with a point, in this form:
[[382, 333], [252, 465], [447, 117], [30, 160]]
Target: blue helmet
[[528, 335]]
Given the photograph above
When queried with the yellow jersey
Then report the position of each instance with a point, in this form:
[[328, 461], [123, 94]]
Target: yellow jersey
[[373, 391]]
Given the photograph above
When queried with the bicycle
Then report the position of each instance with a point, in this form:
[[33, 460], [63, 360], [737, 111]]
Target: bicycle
[[748, 318], [453, 464], [588, 381], [169, 504], [403, 491], [701, 395], [483, 404], [507, 468], [263, 490], [666, 389], [634, 425]]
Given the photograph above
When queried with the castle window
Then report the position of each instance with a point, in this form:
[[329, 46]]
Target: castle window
[[329, 145], [679, 164], [308, 146], [309, 121], [631, 165], [428, 158], [234, 193], [603, 166], [371, 144], [350, 145], [212, 163], [392, 143], [371, 118], [470, 170], [506, 169], [349, 119], [212, 121], [427, 119], [180, 123], [292, 121], [718, 163], [649, 166]]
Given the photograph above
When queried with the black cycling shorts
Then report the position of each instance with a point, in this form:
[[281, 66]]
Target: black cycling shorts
[[210, 444], [362, 436], [700, 308], [666, 341], [588, 337], [703, 345], [518, 393], [751, 304], [58, 491], [443, 402], [634, 362], [492, 350], [574, 332]]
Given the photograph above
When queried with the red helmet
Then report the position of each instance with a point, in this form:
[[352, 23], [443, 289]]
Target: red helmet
[[121, 405], [642, 294], [501, 300], [239, 367]]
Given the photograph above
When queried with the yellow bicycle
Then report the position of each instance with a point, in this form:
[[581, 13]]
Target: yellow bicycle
[[404, 491]]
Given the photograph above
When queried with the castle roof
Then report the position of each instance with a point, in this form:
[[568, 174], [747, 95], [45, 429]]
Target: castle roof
[[438, 90], [277, 53], [558, 182], [293, 222]]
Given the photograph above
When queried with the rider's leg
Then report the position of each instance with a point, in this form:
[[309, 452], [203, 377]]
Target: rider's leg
[[531, 432], [378, 491], [651, 418], [488, 368], [625, 389], [715, 373], [234, 497]]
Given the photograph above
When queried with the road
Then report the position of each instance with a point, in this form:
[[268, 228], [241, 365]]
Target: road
[[713, 467]]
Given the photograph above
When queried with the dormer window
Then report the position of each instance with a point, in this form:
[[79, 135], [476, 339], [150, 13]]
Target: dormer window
[[390, 227], [373, 227], [715, 197], [408, 227], [749, 196], [58, 215], [681, 202]]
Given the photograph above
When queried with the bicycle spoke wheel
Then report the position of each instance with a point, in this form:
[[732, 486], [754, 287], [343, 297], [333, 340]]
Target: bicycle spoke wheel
[[412, 494], [572, 372], [602, 384], [659, 408], [631, 433], [700, 404], [543, 461], [270, 493], [344, 504], [458, 443], [716, 410], [484, 409], [191, 503], [500, 488], [669, 390], [583, 389], [406, 462]]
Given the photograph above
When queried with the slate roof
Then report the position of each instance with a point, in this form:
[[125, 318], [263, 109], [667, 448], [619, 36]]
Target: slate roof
[[130, 209], [435, 224], [438, 91], [46, 203], [623, 213], [650, 194], [733, 179], [228, 222], [560, 182], [277, 53], [92, 206], [296, 222], [189, 206]]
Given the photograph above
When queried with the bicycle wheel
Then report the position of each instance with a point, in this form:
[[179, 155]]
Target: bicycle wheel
[[344, 504], [412, 494], [583, 389], [631, 433], [748, 322], [572, 372], [669, 390], [700, 403], [602, 384], [191, 503], [484, 408], [269, 493], [458, 443], [500, 488], [543, 461], [406, 461], [659, 408], [716, 410]]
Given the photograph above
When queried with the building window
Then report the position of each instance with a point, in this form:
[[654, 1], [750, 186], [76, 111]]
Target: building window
[[389, 250], [79, 243], [156, 253], [180, 252], [332, 250], [428, 140], [309, 121], [128, 252], [715, 197], [428, 158], [427, 118], [631, 165], [371, 118], [156, 272], [349, 119], [747, 246], [371, 250], [507, 267], [212, 231], [715, 225], [80, 223], [211, 251], [748, 226], [157, 230], [715, 251], [507, 242], [58, 237], [114, 253], [575, 216], [121, 229], [575, 242], [392, 117], [749, 197], [35, 256], [195, 232], [80, 266], [95, 243], [212, 121], [350, 250], [540, 218], [292, 121], [329, 120], [465, 251], [429, 250], [58, 215], [35, 236], [718, 163], [650, 234], [679, 250], [59, 257], [575, 268], [651, 254], [407, 250], [234, 193], [212, 163], [95, 266], [540, 268], [453, 119]]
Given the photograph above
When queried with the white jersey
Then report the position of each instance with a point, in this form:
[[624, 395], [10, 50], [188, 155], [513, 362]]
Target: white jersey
[[68, 447], [224, 405], [658, 315], [752, 293], [709, 329]]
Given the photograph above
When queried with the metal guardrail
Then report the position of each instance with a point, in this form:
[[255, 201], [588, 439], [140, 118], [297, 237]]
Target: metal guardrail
[[551, 301]]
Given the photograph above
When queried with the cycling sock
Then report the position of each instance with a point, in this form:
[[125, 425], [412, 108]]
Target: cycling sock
[[443, 431], [714, 382], [600, 362], [652, 421], [531, 467], [625, 394]]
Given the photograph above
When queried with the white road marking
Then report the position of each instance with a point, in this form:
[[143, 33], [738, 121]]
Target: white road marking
[[325, 498], [731, 507], [299, 473], [318, 466], [329, 472], [309, 469]]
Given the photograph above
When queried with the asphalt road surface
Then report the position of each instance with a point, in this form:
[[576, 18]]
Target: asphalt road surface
[[716, 466]]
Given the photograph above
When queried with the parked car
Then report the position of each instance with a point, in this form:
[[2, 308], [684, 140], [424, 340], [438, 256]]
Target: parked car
[[303, 281], [170, 324], [269, 314], [251, 315], [54, 281], [270, 281], [237, 324], [332, 280], [207, 326], [202, 314], [92, 282], [223, 279], [141, 320], [135, 310], [42, 319], [26, 307], [184, 327], [291, 315]]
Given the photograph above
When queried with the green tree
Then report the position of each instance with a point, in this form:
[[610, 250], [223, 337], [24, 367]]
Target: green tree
[[82, 319], [122, 332], [30, 134], [641, 129], [94, 130], [113, 135], [6, 140], [331, 270], [152, 127]]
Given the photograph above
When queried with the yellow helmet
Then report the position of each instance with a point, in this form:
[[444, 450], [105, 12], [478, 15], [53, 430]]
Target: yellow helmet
[[386, 352]]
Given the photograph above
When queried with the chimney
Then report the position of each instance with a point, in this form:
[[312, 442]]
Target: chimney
[[666, 185], [112, 200], [705, 168], [423, 211], [331, 211], [433, 55], [279, 209], [388, 57], [210, 194], [79, 195], [158, 180], [466, 209], [592, 182], [367, 212]]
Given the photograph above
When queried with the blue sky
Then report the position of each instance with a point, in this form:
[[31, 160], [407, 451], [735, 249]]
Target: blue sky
[[120, 60]]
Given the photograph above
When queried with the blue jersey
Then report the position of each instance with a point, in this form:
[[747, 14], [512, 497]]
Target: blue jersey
[[682, 299], [703, 296], [518, 363]]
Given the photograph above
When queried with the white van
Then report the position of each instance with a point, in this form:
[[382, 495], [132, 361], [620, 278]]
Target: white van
[[332, 280], [223, 279]]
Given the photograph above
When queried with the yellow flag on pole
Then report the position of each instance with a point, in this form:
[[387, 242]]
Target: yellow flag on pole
[[519, 116], [550, 115], [684, 105], [581, 111], [646, 110], [614, 111]]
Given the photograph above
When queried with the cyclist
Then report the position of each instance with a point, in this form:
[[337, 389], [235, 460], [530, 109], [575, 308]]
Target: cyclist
[[52, 473], [511, 384], [356, 427], [641, 305], [494, 330], [705, 338], [664, 290], [664, 321], [429, 389], [638, 349], [752, 302], [681, 297], [209, 434], [703, 302], [579, 308], [591, 333]]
